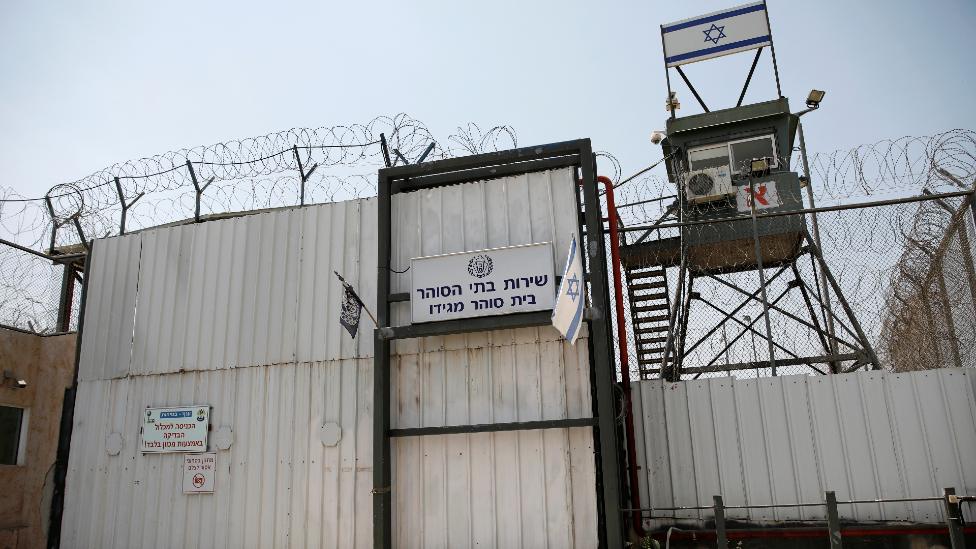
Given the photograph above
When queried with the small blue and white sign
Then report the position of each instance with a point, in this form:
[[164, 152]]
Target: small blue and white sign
[[175, 429], [716, 34]]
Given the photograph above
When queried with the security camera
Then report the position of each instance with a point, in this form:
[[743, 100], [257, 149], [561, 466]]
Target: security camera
[[657, 136]]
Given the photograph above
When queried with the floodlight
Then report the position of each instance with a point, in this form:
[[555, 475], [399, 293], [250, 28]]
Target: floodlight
[[657, 136], [814, 99], [759, 166]]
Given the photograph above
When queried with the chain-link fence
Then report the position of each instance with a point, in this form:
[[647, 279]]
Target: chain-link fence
[[931, 306], [871, 267], [31, 290]]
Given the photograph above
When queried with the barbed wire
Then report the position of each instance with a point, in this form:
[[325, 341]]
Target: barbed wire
[[337, 162]]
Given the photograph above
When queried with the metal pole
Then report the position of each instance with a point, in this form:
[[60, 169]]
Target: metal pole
[[833, 521], [673, 317], [831, 329], [762, 276], [55, 224], [67, 297], [382, 468], [667, 78], [125, 208], [199, 190], [603, 363], [772, 50], [196, 187], [721, 539], [954, 519], [301, 175], [67, 423]]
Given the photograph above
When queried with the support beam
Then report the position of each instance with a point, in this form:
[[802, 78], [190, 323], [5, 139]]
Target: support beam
[[749, 297], [692, 88], [752, 69], [748, 327], [843, 302], [494, 427], [780, 310], [802, 361]]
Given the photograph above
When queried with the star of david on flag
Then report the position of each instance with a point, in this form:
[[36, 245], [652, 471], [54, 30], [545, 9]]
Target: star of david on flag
[[567, 315]]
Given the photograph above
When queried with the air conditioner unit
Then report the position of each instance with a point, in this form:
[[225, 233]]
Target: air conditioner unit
[[708, 184]]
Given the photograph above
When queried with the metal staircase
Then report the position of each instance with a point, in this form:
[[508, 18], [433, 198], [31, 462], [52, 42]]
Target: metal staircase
[[647, 288]]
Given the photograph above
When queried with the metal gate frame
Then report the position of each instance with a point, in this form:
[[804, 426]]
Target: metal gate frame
[[400, 179]]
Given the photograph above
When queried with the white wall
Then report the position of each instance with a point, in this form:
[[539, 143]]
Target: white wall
[[864, 435], [242, 314]]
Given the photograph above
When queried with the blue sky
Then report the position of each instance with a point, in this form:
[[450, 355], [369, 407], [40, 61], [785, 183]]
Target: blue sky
[[88, 84]]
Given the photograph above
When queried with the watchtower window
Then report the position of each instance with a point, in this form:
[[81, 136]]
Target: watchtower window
[[712, 156], [746, 150], [735, 155]]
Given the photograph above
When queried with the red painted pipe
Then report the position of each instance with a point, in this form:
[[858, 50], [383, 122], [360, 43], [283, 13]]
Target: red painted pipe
[[624, 359]]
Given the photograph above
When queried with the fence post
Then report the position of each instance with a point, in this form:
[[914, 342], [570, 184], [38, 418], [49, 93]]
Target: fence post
[[67, 297], [721, 540], [833, 520], [954, 518], [196, 187]]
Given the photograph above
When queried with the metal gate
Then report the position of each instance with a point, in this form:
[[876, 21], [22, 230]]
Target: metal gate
[[439, 367]]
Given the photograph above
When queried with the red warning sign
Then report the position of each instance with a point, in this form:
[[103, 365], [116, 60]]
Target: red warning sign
[[764, 195], [198, 473]]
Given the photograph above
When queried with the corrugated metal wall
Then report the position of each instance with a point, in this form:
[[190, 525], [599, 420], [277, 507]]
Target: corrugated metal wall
[[514, 489], [242, 314], [865, 435], [277, 486]]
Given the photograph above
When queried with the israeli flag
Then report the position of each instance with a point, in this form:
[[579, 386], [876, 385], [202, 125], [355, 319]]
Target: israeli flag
[[716, 34], [567, 315]]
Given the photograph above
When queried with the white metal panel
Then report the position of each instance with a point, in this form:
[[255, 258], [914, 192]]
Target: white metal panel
[[513, 489], [175, 313], [865, 435], [246, 291], [277, 486], [110, 307]]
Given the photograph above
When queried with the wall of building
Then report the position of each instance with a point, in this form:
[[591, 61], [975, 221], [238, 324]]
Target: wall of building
[[47, 364], [788, 439], [242, 314]]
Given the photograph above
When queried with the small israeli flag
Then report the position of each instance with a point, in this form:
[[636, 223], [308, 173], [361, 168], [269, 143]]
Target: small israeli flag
[[716, 34], [567, 315]]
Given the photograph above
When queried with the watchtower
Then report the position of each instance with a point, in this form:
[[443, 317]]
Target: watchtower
[[739, 207]]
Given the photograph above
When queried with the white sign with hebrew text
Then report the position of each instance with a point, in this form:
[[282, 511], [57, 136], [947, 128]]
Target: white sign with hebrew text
[[516, 279]]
